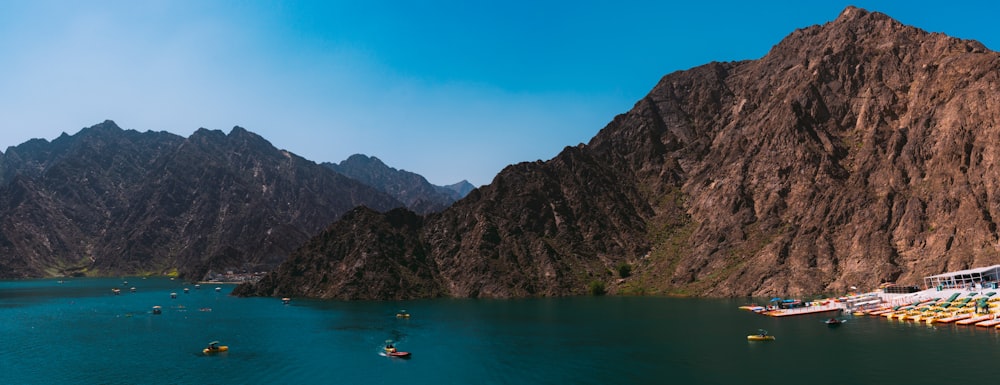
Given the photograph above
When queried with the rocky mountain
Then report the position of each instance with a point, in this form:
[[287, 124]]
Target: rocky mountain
[[855, 152], [412, 189], [458, 190], [107, 201]]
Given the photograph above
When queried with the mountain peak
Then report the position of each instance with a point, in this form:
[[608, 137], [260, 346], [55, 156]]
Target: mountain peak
[[364, 160], [851, 13], [410, 188], [107, 126], [244, 136]]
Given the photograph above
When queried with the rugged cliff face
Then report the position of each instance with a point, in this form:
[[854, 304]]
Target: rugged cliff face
[[856, 152], [108, 201]]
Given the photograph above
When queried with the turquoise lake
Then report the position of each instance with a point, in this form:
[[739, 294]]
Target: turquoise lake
[[79, 332]]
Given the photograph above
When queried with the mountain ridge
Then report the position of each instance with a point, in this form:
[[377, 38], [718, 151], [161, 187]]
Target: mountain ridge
[[410, 188], [108, 201], [849, 155]]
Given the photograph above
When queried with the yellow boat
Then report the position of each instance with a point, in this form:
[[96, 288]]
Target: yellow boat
[[213, 347], [904, 315], [222, 348], [758, 337]]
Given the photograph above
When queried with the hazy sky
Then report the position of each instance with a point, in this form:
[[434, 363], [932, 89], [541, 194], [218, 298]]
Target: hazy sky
[[450, 90]]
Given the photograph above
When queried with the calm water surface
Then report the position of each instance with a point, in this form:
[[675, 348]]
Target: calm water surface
[[78, 332]]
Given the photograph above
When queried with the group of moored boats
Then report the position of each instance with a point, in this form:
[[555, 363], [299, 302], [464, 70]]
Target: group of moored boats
[[979, 309], [973, 309]]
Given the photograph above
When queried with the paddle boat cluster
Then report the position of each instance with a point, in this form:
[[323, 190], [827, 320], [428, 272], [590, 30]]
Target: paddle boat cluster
[[977, 309]]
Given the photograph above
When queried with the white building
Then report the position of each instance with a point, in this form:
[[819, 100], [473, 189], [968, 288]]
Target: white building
[[983, 277]]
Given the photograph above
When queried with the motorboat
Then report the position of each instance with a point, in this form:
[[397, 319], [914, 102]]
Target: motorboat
[[833, 322], [391, 351], [760, 336], [214, 347]]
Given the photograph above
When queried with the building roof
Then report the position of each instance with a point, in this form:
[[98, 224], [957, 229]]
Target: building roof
[[979, 270]]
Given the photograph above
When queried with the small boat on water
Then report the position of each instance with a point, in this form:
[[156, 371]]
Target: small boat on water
[[214, 347], [989, 322], [286, 300], [390, 351], [396, 353], [973, 320], [957, 317], [402, 314], [157, 310], [760, 336], [833, 322]]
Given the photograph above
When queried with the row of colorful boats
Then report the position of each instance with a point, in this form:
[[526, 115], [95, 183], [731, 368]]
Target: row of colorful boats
[[974, 309]]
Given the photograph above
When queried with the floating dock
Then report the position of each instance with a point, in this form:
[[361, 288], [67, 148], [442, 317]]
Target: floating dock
[[835, 306]]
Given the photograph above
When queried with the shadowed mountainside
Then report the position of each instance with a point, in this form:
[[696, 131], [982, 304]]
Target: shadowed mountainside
[[107, 201]]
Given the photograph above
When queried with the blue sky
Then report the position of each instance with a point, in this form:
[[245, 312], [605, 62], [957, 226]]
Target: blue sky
[[450, 90]]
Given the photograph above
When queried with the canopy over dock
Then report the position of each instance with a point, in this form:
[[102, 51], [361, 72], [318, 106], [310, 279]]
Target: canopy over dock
[[964, 278]]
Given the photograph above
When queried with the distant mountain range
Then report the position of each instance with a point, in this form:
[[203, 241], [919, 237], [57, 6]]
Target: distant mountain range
[[856, 152], [108, 201], [411, 189]]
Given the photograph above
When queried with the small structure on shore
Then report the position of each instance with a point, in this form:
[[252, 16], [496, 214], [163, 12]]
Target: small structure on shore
[[973, 279]]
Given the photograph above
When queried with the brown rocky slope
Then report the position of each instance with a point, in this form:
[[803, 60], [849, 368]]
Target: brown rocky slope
[[855, 152]]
